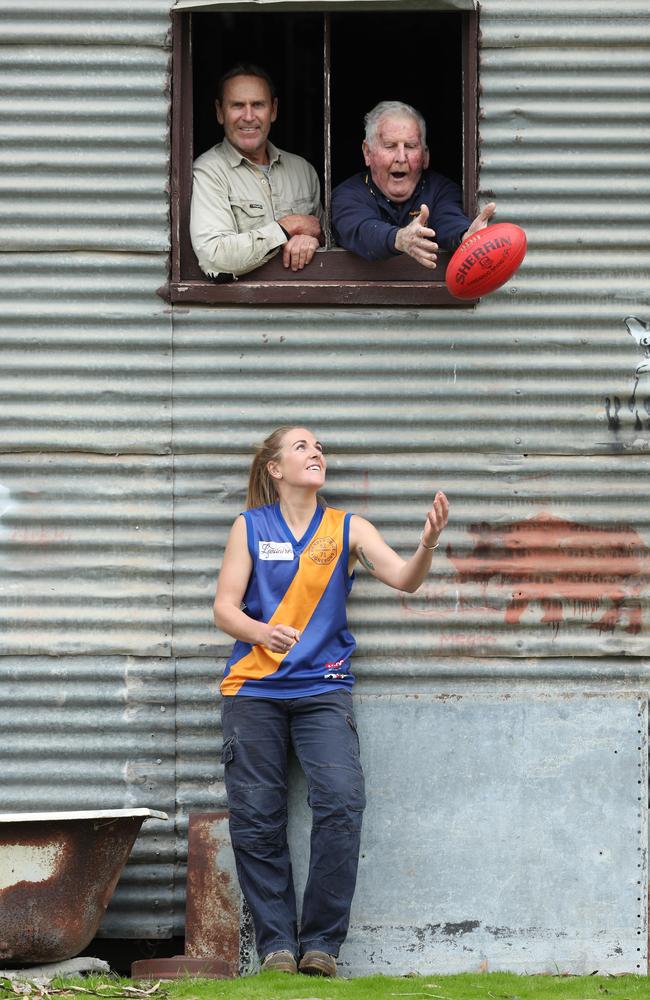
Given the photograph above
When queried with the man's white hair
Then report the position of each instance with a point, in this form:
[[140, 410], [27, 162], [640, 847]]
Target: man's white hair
[[399, 110]]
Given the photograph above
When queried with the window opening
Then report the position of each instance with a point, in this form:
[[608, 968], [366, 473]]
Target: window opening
[[329, 69]]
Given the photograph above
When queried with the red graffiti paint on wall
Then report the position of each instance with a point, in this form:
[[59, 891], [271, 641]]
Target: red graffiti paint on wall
[[559, 564]]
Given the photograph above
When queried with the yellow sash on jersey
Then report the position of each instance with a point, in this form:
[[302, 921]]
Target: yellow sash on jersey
[[317, 563]]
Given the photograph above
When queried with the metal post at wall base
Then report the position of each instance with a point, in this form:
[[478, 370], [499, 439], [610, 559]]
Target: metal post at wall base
[[212, 907], [180, 967]]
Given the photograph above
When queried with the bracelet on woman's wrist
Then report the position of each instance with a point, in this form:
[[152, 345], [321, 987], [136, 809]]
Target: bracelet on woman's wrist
[[430, 548]]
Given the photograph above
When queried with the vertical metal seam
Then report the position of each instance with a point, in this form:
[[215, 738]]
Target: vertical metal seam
[[327, 125]]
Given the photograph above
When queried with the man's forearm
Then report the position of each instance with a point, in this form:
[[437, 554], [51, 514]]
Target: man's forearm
[[372, 239], [237, 253]]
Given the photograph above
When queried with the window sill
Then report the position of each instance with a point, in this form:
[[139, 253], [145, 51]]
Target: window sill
[[334, 277]]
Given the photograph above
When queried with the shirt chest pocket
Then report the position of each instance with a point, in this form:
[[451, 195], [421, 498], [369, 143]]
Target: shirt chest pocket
[[248, 214], [292, 206]]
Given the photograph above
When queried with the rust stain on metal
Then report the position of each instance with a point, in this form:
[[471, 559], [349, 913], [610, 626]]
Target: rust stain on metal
[[66, 872], [559, 564], [213, 896]]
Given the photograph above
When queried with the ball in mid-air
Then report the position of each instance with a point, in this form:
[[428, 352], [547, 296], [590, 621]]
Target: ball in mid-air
[[486, 260]]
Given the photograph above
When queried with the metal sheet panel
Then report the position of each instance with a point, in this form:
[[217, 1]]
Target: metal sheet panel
[[514, 830], [83, 147], [544, 555], [548, 367], [553, 22], [213, 901], [85, 554], [89, 732], [480, 776], [86, 353], [70, 22]]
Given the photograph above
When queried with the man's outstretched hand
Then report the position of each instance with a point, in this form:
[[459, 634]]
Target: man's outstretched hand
[[417, 240], [482, 220]]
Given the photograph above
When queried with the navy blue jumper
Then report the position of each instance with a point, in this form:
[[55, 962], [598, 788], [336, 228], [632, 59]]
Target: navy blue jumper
[[365, 221]]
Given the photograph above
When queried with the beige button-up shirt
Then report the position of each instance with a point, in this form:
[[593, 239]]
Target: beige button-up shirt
[[235, 205]]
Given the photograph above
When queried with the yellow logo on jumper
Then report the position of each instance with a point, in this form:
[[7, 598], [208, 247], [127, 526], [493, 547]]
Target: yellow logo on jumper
[[323, 550]]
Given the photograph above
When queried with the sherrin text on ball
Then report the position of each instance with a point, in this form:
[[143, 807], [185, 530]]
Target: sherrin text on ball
[[486, 260]]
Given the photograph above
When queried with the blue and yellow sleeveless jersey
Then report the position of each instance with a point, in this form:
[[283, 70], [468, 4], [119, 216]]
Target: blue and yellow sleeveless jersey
[[303, 583]]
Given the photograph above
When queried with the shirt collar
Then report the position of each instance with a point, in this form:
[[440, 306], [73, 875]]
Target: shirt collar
[[235, 158]]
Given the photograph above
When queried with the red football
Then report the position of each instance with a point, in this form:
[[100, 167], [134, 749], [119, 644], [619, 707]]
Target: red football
[[485, 260]]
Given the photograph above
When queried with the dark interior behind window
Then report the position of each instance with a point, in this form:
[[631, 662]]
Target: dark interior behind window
[[374, 57], [411, 57], [290, 48]]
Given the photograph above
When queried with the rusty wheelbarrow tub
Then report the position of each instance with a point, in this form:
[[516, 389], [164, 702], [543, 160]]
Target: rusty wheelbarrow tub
[[58, 871]]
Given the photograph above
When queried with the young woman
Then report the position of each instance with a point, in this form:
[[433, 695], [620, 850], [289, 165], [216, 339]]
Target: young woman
[[286, 574]]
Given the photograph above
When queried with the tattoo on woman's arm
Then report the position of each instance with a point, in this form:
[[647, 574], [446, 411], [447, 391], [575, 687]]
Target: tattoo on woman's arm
[[364, 559]]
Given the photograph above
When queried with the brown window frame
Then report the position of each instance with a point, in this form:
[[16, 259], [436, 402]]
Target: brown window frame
[[335, 276]]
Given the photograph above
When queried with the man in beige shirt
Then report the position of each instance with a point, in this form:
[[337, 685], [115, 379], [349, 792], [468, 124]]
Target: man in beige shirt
[[249, 199]]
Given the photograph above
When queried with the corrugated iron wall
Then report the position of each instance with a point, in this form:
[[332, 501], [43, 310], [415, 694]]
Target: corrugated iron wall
[[86, 508], [123, 451], [524, 411]]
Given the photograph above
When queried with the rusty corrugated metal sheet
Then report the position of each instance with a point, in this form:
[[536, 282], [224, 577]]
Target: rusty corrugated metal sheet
[[213, 899]]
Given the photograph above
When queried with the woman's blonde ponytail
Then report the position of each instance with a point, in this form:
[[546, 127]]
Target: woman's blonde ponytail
[[261, 486]]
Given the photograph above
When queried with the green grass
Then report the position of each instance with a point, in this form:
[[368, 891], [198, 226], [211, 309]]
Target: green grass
[[495, 986], [278, 986]]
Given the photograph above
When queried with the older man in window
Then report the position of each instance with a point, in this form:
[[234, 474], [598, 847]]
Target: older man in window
[[398, 205]]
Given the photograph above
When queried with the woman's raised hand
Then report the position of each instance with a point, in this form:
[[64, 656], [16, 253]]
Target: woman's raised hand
[[436, 520]]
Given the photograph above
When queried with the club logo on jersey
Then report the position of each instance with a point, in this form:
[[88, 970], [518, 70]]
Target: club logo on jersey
[[333, 671], [323, 550], [275, 550]]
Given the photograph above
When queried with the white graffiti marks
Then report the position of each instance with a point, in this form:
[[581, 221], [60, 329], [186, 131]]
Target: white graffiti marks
[[629, 418], [641, 333], [6, 504]]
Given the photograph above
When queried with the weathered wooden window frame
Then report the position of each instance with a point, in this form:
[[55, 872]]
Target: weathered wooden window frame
[[335, 276]]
